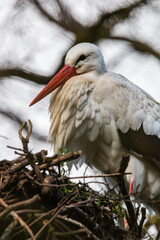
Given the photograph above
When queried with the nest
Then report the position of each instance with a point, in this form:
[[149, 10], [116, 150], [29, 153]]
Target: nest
[[38, 201]]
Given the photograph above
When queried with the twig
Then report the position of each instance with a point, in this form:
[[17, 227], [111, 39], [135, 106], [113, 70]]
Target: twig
[[67, 157], [36, 168], [29, 211], [5, 183], [17, 218], [80, 203], [9, 229], [37, 220], [80, 225], [61, 205], [14, 148], [81, 216], [41, 217], [32, 157], [48, 222], [65, 228], [43, 155], [68, 233], [21, 204], [19, 166], [25, 140], [95, 176], [48, 184]]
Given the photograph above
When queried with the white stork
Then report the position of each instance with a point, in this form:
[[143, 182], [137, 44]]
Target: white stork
[[104, 115]]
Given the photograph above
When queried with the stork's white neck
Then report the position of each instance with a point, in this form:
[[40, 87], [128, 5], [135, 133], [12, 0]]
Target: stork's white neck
[[64, 105]]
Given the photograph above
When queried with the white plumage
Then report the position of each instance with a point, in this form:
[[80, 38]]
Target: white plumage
[[104, 114]]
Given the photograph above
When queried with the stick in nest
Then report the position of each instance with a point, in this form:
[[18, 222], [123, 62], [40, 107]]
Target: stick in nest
[[8, 210]]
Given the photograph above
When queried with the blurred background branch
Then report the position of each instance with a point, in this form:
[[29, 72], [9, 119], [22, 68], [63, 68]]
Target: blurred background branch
[[22, 73]]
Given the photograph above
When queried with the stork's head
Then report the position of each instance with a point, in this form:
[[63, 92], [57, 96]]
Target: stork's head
[[85, 57], [80, 59]]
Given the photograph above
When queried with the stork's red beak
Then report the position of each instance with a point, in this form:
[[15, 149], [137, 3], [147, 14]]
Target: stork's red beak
[[60, 78]]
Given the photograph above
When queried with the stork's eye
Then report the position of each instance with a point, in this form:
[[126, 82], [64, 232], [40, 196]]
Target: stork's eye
[[81, 58]]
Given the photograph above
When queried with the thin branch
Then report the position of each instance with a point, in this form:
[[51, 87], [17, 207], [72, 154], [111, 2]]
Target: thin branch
[[32, 157], [25, 140], [68, 233], [67, 157], [28, 211], [9, 229], [46, 184], [21, 204], [6, 182], [96, 176], [61, 205], [19, 166], [41, 217], [80, 225], [15, 215], [65, 228]]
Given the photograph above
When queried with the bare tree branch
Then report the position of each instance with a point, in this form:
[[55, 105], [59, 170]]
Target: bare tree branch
[[66, 20], [15, 215], [109, 19], [119, 15], [15, 206], [138, 45], [22, 73]]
